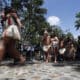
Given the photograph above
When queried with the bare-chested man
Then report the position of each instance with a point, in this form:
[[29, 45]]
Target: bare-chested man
[[46, 45]]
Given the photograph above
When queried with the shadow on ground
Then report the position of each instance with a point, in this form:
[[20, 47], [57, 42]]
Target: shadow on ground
[[77, 68]]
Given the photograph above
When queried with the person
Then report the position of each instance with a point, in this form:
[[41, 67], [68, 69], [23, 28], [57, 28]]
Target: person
[[55, 43], [72, 52], [46, 45], [78, 49], [68, 42], [11, 18], [62, 49]]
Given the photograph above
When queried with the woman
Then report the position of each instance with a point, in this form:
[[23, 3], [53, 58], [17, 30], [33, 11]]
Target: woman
[[62, 49], [11, 18], [55, 43]]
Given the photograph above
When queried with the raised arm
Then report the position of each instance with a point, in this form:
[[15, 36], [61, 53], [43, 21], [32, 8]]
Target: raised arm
[[17, 19]]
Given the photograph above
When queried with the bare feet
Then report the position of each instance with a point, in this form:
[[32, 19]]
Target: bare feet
[[22, 60], [47, 61], [55, 61]]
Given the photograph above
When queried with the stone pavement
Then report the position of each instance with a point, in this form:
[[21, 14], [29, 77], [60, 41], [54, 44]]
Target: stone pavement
[[41, 71]]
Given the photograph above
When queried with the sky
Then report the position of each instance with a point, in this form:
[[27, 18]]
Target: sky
[[62, 13]]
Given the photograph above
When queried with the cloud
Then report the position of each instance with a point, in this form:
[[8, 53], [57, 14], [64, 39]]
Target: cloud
[[53, 20]]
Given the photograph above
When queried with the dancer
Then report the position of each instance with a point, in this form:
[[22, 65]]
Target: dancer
[[62, 49], [11, 19], [55, 43], [46, 45]]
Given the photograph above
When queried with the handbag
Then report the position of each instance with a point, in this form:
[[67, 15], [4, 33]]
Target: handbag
[[62, 51], [46, 48], [13, 32]]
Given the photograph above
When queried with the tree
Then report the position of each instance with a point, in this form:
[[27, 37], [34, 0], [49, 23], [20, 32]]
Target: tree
[[77, 23], [32, 15], [57, 31], [69, 35]]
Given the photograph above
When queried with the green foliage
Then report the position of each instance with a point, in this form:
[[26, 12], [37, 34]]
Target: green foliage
[[69, 35], [16, 4], [77, 22], [57, 31], [32, 14]]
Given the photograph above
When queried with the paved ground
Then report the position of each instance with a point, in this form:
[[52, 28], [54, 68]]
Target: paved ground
[[41, 71]]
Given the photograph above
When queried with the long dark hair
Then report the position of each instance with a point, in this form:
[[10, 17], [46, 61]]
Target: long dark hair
[[8, 10], [11, 10]]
